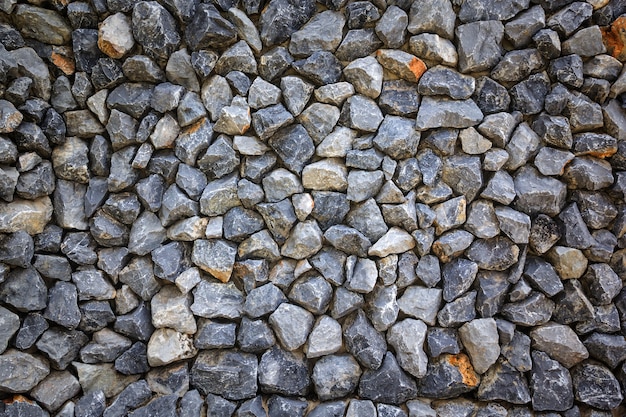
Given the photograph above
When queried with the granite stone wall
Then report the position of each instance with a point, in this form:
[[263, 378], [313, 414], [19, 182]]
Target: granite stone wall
[[384, 208]]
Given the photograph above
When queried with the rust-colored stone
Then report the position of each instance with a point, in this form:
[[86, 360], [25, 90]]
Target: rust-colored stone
[[463, 364], [17, 399], [63, 60], [195, 127], [614, 37], [417, 67]]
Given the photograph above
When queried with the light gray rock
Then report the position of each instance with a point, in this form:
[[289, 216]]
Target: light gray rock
[[438, 112], [292, 325], [407, 338], [480, 338]]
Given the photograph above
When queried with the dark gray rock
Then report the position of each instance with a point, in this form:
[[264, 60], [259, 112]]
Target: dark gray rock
[[399, 98], [441, 80], [322, 68], [478, 33], [21, 371], [281, 18], [398, 386], [459, 311], [285, 407], [24, 289], [358, 43], [133, 360], [63, 305], [557, 395], [609, 349], [255, 336], [61, 346], [474, 10], [130, 398], [538, 194], [207, 376], [137, 324], [504, 382], [542, 276], [596, 386], [448, 376], [442, 340], [521, 29], [433, 16], [534, 310], [569, 18], [529, 96], [155, 29], [369, 350], [282, 372]]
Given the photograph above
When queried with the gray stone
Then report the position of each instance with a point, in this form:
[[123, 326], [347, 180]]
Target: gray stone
[[219, 407], [503, 382], [529, 96], [24, 289], [474, 10], [208, 29], [407, 337], [398, 387], [263, 300], [61, 346], [215, 300], [292, 325], [321, 68], [602, 393], [32, 327], [479, 33], [601, 284], [282, 18], [63, 305], [9, 324], [538, 194], [136, 324], [335, 376], [421, 303], [437, 112], [358, 43], [361, 113], [480, 338], [520, 31], [134, 360], [432, 16], [560, 342], [361, 14], [21, 371], [569, 18], [56, 389], [283, 372], [397, 137], [391, 28], [322, 33], [442, 80], [139, 276]]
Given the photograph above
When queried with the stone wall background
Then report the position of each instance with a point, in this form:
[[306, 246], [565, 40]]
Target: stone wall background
[[292, 208]]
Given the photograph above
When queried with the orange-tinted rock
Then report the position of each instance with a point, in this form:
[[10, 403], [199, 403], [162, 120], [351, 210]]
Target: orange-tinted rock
[[615, 38]]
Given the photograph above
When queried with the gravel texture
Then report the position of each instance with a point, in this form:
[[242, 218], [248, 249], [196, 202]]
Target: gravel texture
[[336, 208]]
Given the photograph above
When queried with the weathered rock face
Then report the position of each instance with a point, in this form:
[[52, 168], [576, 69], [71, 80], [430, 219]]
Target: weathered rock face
[[331, 208]]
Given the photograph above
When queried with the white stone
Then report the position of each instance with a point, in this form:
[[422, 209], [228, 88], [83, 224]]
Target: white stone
[[168, 345], [395, 241], [325, 338]]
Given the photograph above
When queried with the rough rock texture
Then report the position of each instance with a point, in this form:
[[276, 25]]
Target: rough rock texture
[[322, 208]]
